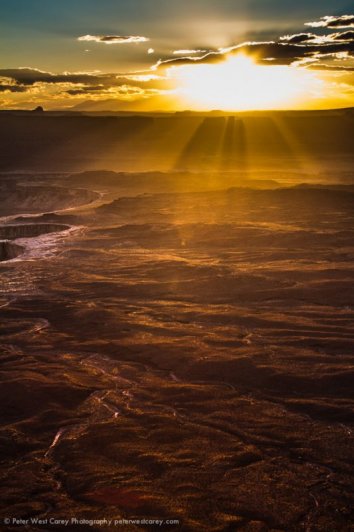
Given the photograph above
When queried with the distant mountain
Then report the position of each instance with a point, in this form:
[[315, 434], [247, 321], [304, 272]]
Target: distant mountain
[[119, 105]]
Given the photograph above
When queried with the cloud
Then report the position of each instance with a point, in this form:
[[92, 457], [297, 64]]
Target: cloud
[[10, 85], [122, 92], [281, 53], [300, 48], [333, 68], [188, 52], [30, 76], [11, 88], [306, 38], [344, 36], [39, 85], [298, 38], [86, 89], [343, 21], [114, 39]]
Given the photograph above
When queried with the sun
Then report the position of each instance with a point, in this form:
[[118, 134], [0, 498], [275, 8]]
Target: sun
[[240, 84]]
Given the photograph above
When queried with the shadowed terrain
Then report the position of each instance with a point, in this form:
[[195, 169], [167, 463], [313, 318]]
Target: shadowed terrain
[[179, 345], [320, 141], [9, 251]]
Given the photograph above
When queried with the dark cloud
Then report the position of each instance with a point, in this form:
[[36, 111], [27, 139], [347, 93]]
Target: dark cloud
[[298, 38], [285, 51], [306, 38], [86, 84], [124, 89], [27, 77], [281, 53], [344, 36], [85, 90], [11, 88], [343, 21], [114, 39], [289, 53], [30, 76]]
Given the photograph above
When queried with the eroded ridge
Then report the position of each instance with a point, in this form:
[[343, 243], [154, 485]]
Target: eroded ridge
[[12, 232]]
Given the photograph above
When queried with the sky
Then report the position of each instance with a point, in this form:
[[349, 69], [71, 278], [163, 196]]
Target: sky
[[176, 54]]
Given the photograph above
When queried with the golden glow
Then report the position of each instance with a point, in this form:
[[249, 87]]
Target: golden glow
[[240, 84]]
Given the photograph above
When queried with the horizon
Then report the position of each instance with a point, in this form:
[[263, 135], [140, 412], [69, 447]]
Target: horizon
[[39, 110]]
